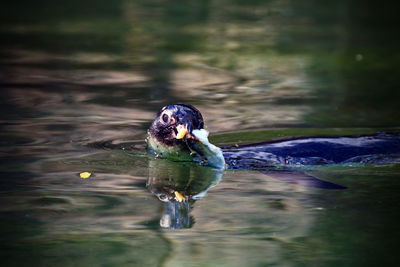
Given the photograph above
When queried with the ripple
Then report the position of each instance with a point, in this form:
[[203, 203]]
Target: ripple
[[117, 144]]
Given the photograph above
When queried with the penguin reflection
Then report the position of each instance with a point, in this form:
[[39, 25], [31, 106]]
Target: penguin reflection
[[178, 186]]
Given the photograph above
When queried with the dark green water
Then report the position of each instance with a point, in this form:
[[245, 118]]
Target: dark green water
[[82, 80]]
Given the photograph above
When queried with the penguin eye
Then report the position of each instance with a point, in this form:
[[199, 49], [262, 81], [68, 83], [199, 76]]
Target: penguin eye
[[163, 197], [165, 118]]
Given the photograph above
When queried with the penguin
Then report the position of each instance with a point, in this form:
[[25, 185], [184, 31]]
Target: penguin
[[177, 133]]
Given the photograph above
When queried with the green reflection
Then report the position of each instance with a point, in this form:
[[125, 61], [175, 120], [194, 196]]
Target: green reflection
[[354, 54], [337, 59]]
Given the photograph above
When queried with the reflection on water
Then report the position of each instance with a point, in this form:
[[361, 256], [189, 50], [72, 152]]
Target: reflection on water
[[246, 65], [81, 81], [179, 186]]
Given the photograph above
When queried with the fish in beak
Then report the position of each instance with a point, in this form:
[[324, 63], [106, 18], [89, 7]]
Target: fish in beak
[[201, 145]]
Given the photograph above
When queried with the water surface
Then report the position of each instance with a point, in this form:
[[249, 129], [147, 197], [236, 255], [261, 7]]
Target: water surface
[[81, 82]]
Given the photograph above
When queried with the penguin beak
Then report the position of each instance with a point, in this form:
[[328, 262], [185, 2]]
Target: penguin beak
[[182, 131]]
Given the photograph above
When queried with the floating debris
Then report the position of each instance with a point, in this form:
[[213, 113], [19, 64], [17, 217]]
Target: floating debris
[[85, 175]]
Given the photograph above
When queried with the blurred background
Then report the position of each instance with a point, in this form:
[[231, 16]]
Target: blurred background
[[82, 80], [245, 64]]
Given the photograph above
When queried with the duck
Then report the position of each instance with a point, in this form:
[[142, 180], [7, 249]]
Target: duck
[[177, 133]]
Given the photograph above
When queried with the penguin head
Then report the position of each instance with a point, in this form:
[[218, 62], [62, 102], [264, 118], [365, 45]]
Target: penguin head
[[174, 124]]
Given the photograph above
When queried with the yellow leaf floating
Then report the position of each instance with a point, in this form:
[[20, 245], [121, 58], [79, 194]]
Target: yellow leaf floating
[[85, 175], [179, 197]]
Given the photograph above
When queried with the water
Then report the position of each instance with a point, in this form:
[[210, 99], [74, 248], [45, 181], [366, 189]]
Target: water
[[81, 82]]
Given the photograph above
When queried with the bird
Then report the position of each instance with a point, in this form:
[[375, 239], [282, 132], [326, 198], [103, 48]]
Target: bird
[[177, 133], [170, 134]]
